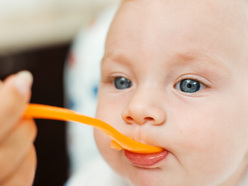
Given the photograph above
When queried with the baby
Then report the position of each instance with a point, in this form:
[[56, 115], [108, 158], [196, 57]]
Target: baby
[[174, 75]]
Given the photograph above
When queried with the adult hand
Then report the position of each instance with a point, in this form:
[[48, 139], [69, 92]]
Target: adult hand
[[17, 152]]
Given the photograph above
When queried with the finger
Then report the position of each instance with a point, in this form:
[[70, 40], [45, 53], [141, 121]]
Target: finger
[[25, 172], [15, 147], [1, 83], [14, 96]]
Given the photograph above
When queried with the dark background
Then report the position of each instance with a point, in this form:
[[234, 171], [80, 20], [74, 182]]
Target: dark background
[[47, 66]]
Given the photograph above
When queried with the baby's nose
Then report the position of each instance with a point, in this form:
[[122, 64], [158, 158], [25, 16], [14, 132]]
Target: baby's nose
[[144, 108]]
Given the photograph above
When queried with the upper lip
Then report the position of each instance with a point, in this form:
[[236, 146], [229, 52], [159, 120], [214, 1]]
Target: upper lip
[[143, 134]]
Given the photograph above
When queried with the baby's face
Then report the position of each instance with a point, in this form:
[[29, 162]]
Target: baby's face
[[174, 75]]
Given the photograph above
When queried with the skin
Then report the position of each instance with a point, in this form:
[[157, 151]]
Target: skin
[[156, 44], [17, 152]]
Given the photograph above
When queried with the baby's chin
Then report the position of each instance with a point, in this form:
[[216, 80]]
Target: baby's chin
[[160, 176]]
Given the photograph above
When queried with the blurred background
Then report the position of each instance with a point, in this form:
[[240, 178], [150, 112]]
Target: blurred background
[[38, 35]]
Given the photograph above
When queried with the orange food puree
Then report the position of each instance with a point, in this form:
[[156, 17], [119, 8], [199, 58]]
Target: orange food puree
[[119, 141]]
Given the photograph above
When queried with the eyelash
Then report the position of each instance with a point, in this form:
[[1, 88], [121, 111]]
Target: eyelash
[[198, 83], [122, 82], [111, 80]]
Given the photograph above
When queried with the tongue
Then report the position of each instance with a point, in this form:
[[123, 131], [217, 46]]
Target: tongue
[[145, 159]]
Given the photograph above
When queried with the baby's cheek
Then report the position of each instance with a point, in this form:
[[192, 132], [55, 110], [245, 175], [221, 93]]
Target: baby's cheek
[[102, 141], [103, 144], [210, 153], [112, 156]]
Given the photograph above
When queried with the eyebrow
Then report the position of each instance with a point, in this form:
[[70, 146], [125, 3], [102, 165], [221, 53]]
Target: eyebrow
[[181, 58], [116, 57], [204, 57]]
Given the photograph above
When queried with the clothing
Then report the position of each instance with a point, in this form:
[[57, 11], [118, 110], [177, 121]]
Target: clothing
[[96, 173], [82, 76], [244, 181]]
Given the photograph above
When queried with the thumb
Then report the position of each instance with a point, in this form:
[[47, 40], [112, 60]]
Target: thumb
[[16, 88], [15, 93]]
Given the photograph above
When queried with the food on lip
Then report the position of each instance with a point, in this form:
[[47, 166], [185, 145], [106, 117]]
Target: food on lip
[[115, 145], [119, 141]]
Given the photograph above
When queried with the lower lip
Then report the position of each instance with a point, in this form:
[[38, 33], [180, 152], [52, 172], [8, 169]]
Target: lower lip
[[145, 160]]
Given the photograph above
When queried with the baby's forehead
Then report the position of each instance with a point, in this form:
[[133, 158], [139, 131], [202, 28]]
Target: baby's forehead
[[226, 19], [233, 7], [229, 13]]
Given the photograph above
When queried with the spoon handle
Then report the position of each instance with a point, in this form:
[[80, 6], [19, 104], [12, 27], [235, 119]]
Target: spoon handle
[[119, 141]]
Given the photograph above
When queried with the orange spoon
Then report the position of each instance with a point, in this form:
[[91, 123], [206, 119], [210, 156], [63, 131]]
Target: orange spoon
[[119, 141]]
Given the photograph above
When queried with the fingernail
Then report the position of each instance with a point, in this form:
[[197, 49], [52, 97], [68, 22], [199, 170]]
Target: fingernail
[[23, 81]]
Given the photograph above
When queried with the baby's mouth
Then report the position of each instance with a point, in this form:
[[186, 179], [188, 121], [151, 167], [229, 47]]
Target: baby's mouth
[[145, 160]]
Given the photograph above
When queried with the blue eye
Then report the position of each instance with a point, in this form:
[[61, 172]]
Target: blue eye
[[189, 85], [122, 83]]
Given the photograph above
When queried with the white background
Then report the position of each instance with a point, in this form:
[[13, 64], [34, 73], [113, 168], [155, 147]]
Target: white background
[[26, 24]]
